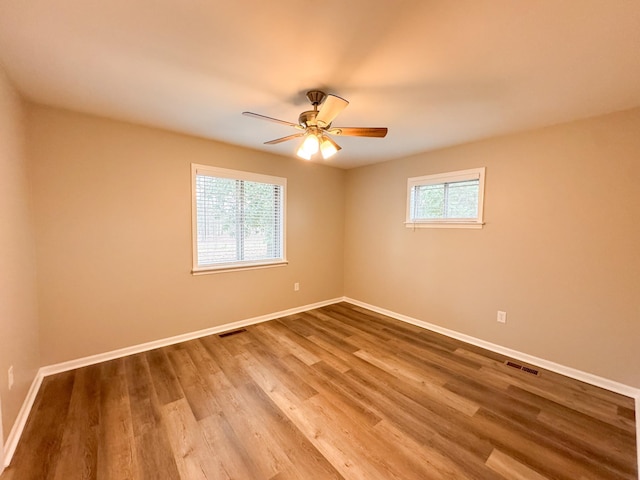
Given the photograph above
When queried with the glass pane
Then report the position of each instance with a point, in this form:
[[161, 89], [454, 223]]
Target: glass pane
[[216, 215], [462, 199], [455, 200], [261, 221], [237, 220], [428, 202]]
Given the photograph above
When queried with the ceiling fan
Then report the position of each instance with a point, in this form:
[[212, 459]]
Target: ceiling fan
[[315, 126]]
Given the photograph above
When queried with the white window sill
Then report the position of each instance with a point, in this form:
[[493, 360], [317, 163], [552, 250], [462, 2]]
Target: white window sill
[[234, 267], [414, 225]]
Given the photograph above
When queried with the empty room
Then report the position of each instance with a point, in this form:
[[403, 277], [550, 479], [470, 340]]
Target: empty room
[[334, 240]]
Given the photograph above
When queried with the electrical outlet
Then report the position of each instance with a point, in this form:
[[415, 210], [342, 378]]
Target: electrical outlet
[[502, 316], [296, 287], [10, 377]]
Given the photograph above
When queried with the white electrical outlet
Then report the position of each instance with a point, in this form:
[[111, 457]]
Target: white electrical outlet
[[296, 287], [10, 377], [502, 316]]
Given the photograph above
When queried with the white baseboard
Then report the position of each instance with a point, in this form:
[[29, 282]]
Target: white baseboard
[[1, 441], [144, 347], [638, 432], [21, 420], [18, 426], [540, 362], [23, 415], [589, 378]]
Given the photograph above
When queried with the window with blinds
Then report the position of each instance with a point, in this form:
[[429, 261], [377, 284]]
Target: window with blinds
[[238, 219], [453, 199]]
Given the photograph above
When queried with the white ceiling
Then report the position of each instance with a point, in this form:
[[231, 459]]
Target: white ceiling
[[436, 72]]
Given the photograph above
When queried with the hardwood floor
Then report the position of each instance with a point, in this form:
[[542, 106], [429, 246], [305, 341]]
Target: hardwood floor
[[337, 392]]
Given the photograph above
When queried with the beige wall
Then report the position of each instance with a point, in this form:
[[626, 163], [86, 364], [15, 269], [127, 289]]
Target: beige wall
[[560, 251], [18, 306], [113, 228]]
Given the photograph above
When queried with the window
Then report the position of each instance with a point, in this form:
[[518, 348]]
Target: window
[[238, 219], [451, 199]]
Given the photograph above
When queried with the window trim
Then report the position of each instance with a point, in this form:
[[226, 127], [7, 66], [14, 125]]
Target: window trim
[[198, 169], [441, 178]]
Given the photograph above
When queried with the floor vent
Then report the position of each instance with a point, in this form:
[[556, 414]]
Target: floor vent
[[232, 332], [531, 371]]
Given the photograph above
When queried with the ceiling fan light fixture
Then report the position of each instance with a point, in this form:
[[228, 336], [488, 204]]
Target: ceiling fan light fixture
[[328, 147], [310, 144], [316, 126], [302, 153]]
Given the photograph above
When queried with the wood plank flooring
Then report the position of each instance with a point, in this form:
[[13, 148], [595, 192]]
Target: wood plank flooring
[[334, 393]]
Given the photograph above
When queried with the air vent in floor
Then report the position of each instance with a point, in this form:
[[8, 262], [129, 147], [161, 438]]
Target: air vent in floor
[[232, 332], [532, 371]]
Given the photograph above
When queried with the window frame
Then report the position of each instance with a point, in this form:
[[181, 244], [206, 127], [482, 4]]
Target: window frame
[[196, 269], [444, 178]]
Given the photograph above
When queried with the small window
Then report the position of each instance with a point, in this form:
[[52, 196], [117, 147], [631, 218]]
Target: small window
[[238, 219], [451, 199]]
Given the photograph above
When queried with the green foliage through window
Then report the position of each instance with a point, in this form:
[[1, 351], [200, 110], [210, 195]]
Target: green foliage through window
[[445, 200], [451, 199]]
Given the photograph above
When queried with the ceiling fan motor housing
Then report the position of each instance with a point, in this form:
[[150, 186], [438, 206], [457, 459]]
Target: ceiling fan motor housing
[[308, 118], [316, 97]]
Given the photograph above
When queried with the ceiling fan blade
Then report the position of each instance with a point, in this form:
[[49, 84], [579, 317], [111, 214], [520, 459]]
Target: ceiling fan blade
[[359, 131], [330, 109], [284, 139], [271, 119]]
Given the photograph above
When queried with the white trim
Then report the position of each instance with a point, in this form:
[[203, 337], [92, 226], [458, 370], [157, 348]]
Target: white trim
[[194, 218], [638, 432], [441, 224], [144, 347], [448, 177], [208, 170], [233, 174], [21, 419], [540, 362], [23, 415], [230, 267], [442, 178], [1, 441], [589, 378]]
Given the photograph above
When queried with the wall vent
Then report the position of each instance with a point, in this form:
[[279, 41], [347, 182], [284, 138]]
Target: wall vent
[[232, 332], [529, 370]]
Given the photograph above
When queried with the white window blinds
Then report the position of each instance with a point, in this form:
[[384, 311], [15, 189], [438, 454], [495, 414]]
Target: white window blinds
[[239, 218]]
